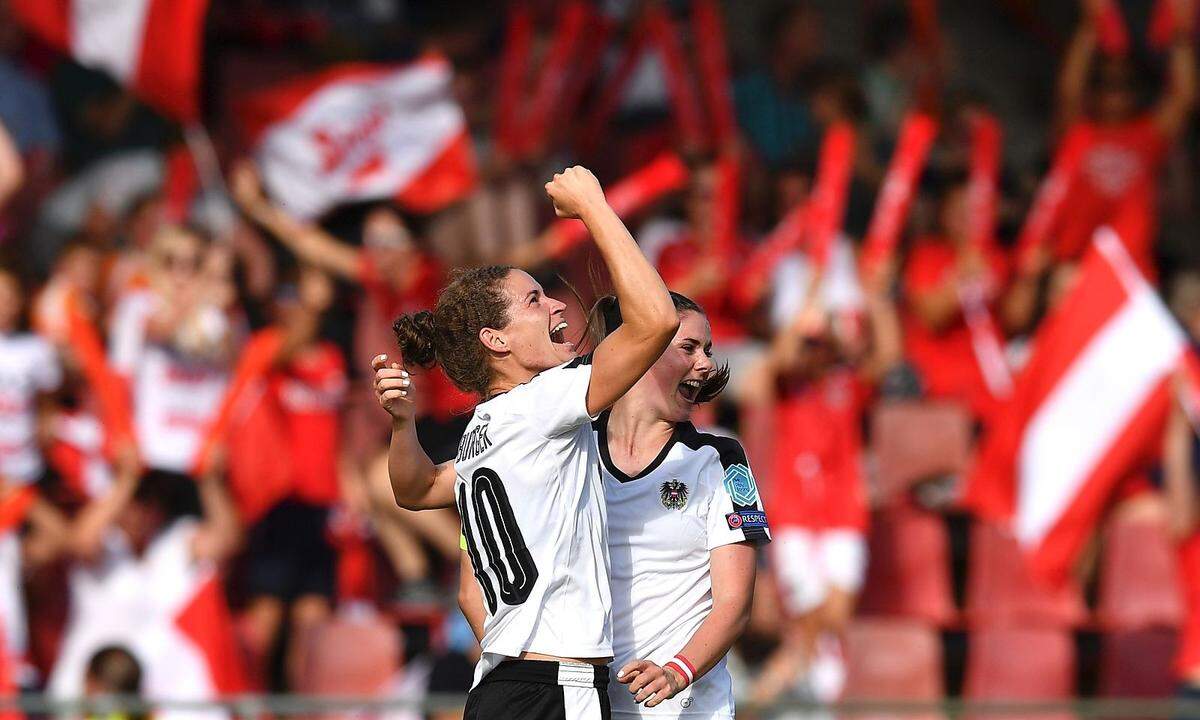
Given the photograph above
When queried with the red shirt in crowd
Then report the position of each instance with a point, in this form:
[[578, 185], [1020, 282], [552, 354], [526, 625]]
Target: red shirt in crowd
[[817, 475], [945, 359], [436, 395], [676, 260], [310, 391], [1116, 184]]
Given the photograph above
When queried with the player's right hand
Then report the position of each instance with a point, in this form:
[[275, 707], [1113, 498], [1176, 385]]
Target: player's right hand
[[393, 388], [573, 191]]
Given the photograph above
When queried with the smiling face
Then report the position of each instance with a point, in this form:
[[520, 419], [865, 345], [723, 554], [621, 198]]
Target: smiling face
[[534, 339], [674, 381]]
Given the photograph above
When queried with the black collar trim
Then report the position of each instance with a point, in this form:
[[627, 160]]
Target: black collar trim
[[601, 425]]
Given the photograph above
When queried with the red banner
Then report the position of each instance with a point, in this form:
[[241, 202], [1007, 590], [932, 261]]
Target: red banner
[[917, 133], [1052, 193], [983, 183], [713, 59], [828, 200]]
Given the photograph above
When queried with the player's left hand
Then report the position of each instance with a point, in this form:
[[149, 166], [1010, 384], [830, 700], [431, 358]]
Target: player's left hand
[[650, 683]]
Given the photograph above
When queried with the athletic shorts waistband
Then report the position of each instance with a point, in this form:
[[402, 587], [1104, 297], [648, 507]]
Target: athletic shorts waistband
[[549, 672]]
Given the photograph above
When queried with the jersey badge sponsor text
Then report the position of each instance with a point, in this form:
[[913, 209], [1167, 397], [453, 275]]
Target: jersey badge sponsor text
[[674, 494], [739, 483], [746, 519]]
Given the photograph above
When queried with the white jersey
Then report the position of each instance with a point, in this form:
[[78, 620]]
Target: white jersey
[[532, 508], [697, 495], [28, 366]]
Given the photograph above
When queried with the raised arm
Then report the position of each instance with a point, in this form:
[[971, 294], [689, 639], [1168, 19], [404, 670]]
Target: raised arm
[[93, 521], [417, 483], [307, 242], [1179, 474], [221, 531], [649, 318], [1072, 78], [1176, 105]]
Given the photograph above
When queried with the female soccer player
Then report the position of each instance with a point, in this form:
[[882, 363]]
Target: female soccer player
[[524, 479], [683, 517]]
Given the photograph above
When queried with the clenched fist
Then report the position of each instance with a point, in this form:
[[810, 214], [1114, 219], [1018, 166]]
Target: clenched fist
[[393, 388], [574, 191]]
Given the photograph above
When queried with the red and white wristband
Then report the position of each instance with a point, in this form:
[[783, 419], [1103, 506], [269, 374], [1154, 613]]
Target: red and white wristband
[[683, 667]]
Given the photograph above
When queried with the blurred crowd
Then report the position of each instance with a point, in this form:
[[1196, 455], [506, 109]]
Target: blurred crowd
[[193, 479]]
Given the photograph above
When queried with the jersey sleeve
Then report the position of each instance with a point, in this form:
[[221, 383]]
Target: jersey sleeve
[[735, 510], [556, 402]]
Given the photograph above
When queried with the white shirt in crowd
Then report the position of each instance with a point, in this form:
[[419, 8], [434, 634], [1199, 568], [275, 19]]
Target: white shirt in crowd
[[532, 508], [28, 367], [697, 495], [174, 397]]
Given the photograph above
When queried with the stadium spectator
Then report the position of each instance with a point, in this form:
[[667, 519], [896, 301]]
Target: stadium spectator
[[1125, 142], [938, 269], [290, 561], [145, 576], [172, 340], [772, 98], [815, 384]]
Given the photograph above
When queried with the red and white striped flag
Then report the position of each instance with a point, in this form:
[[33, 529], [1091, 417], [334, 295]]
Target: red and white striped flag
[[363, 132], [1088, 410], [150, 46]]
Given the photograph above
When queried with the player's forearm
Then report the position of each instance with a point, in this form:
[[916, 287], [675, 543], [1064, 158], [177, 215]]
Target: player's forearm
[[410, 470], [716, 635], [646, 307], [733, 569]]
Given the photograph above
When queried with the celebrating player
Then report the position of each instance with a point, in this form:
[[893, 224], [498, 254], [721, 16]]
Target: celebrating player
[[532, 506], [683, 516]]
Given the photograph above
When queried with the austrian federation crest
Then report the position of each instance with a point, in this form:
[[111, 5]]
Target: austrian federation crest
[[674, 494]]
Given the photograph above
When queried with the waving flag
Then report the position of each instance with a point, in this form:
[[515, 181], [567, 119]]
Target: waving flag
[[363, 132], [1088, 410], [150, 46]]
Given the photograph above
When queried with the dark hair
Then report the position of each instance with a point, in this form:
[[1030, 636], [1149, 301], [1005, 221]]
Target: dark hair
[[606, 317], [116, 670], [449, 336]]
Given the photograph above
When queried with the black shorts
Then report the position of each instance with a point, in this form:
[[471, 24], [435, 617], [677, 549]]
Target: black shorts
[[288, 554], [541, 690]]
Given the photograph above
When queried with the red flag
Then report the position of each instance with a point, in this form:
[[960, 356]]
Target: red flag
[[363, 132], [1088, 410], [150, 46]]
